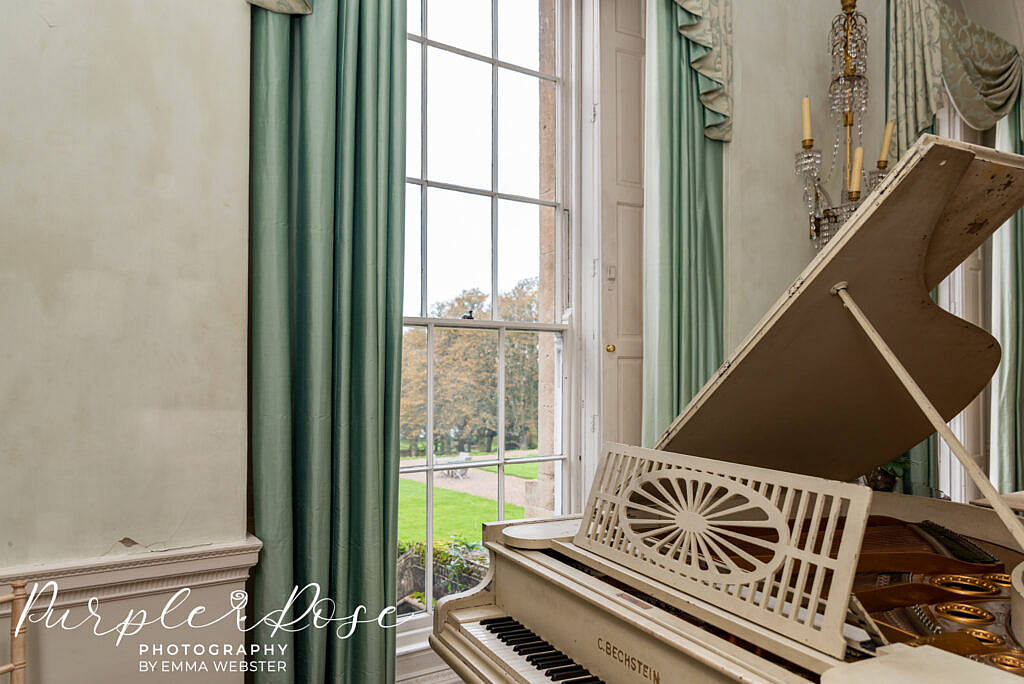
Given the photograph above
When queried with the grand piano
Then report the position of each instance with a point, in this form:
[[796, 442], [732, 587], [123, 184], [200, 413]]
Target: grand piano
[[741, 548]]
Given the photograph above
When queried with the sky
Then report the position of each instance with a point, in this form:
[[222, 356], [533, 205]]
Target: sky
[[459, 149]]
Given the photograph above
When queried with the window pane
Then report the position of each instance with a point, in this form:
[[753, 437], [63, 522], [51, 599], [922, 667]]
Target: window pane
[[412, 499], [532, 394], [413, 121], [526, 33], [413, 411], [411, 305], [534, 488], [461, 505], [412, 526], [465, 393], [458, 254], [526, 263], [526, 135], [462, 23], [413, 24], [458, 119]]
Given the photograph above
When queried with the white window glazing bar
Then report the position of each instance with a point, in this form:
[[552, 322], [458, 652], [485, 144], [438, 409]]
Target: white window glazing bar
[[482, 463], [501, 425], [428, 565], [486, 324], [495, 304], [423, 162], [482, 58], [480, 191]]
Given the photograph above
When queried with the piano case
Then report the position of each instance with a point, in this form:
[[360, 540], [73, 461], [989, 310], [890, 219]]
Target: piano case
[[744, 517]]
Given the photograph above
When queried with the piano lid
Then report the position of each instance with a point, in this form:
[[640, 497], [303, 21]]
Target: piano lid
[[806, 391]]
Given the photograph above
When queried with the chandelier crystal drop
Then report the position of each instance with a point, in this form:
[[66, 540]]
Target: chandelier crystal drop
[[848, 103]]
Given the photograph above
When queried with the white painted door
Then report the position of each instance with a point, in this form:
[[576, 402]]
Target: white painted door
[[621, 113]]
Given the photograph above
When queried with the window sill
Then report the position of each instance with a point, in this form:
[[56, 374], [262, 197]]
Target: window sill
[[413, 633], [415, 660]]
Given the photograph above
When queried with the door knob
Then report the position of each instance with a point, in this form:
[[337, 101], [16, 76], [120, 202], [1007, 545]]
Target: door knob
[[609, 347]]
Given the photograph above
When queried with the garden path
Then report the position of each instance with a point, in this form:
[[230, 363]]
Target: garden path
[[478, 482]]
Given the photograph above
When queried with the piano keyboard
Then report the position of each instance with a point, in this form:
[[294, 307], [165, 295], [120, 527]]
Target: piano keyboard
[[524, 654]]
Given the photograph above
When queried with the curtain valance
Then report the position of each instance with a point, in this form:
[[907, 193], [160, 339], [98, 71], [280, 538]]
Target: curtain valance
[[932, 47], [707, 27]]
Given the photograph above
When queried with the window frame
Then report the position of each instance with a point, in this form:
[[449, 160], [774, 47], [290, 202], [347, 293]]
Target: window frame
[[566, 245]]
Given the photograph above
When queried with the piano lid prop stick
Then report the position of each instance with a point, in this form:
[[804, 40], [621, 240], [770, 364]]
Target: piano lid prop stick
[[1011, 521]]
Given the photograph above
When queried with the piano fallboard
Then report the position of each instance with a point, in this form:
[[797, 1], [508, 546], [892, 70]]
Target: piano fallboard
[[611, 633]]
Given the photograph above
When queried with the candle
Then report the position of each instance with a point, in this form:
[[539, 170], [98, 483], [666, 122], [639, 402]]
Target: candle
[[858, 164], [805, 111], [883, 157]]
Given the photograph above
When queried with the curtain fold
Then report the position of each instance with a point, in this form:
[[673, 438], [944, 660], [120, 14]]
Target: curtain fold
[[327, 215], [982, 72], [932, 48], [914, 81], [1006, 461], [683, 300], [707, 27]]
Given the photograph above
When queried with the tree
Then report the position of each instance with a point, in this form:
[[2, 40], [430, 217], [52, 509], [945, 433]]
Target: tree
[[466, 377], [412, 420]]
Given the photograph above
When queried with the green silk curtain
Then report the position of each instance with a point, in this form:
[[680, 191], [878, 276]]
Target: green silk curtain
[[683, 300], [1007, 410], [933, 50], [914, 89], [706, 26], [327, 189]]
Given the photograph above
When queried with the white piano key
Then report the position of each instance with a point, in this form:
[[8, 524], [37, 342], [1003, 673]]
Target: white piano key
[[516, 665]]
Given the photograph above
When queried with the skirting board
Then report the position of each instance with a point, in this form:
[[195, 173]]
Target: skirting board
[[131, 584], [142, 574]]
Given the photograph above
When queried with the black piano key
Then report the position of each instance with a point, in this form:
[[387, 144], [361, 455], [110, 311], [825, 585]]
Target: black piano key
[[517, 631], [505, 636], [497, 620], [548, 660], [513, 630], [584, 679], [530, 649], [519, 640], [555, 653], [531, 641], [553, 672], [568, 674], [498, 629]]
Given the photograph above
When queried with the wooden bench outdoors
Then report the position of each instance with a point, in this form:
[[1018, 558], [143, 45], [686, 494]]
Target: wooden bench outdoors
[[17, 599]]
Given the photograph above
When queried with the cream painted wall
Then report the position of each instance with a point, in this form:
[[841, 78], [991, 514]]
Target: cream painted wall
[[123, 243], [779, 51]]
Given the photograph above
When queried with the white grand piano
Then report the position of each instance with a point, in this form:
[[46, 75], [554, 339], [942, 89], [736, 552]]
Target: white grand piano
[[739, 549]]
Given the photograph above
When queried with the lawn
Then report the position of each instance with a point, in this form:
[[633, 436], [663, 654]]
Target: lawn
[[456, 514], [527, 471]]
